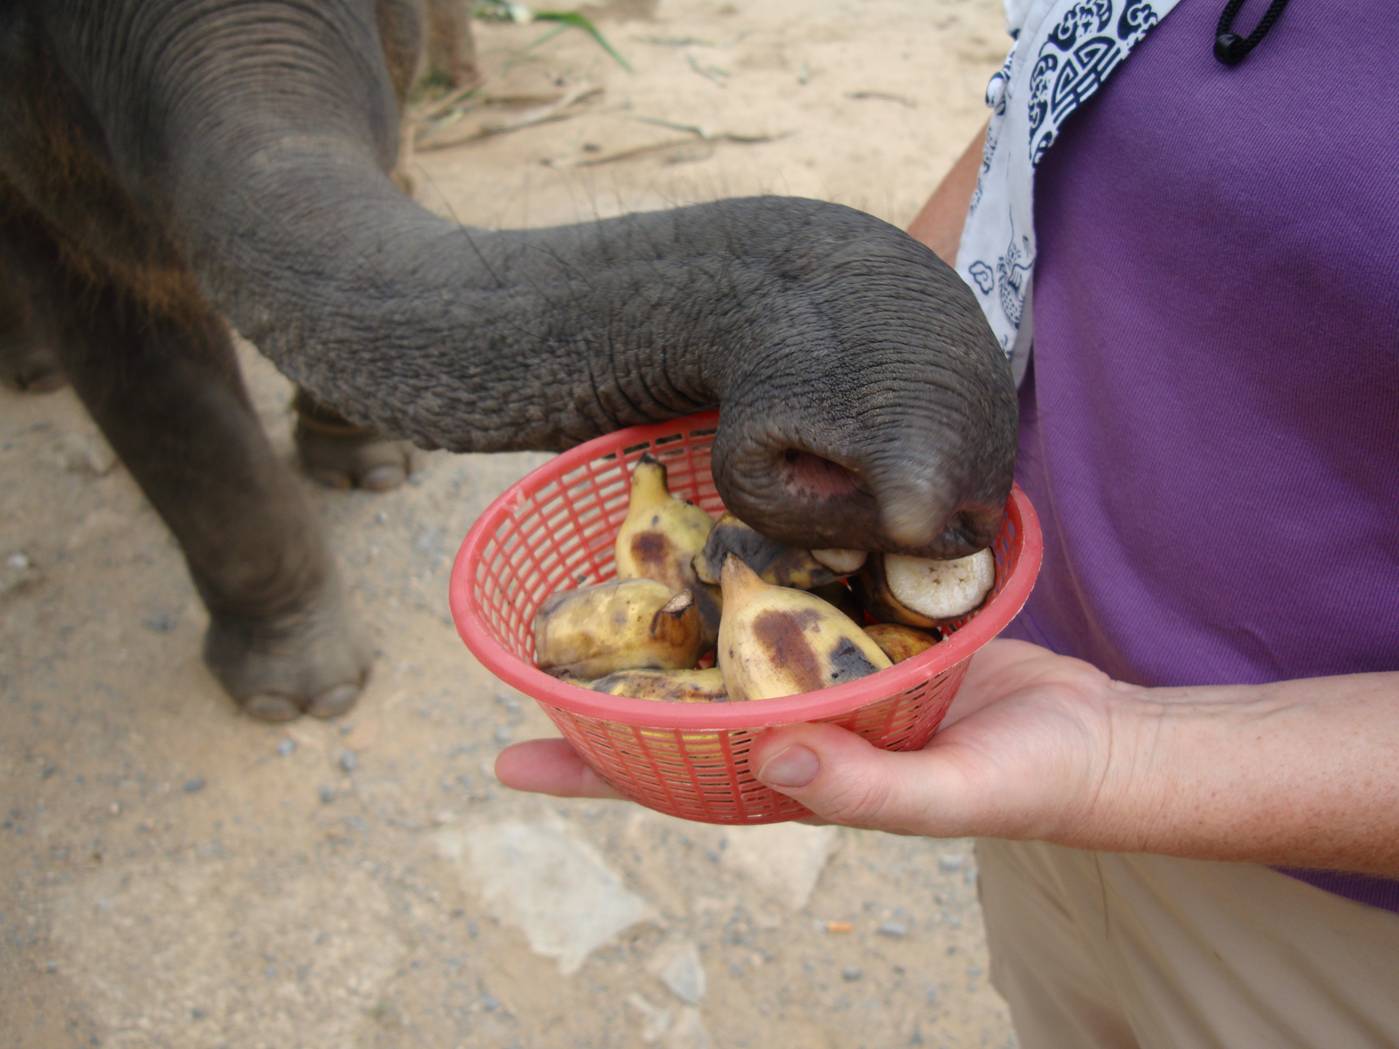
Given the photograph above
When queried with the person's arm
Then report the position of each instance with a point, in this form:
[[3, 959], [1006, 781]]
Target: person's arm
[[1302, 773], [1039, 746], [938, 223]]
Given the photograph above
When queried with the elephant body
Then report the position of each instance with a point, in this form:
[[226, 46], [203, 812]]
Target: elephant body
[[170, 166]]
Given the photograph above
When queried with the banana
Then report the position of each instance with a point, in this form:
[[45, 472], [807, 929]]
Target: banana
[[774, 562], [916, 591], [670, 686], [900, 642], [622, 625], [661, 536], [777, 641]]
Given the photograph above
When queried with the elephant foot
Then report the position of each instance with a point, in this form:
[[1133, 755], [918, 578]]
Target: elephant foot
[[30, 367], [304, 663], [341, 454]]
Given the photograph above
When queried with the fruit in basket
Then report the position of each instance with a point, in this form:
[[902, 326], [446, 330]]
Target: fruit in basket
[[778, 641], [900, 642], [670, 686], [626, 624], [919, 592], [774, 562], [661, 536]]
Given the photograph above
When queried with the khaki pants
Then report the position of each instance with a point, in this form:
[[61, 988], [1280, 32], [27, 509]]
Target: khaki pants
[[1146, 952]]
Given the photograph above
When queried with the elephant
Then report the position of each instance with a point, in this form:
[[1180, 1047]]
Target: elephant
[[171, 168]]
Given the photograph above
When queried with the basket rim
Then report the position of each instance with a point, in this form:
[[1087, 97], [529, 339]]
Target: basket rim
[[803, 707]]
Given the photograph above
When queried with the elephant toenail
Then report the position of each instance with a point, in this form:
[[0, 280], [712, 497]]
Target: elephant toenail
[[333, 701], [382, 478], [268, 706]]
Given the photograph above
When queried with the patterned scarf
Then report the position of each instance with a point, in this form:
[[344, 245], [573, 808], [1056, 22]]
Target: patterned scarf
[[1064, 51]]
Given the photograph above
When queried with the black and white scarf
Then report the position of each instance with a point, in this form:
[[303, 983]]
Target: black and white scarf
[[1063, 51]]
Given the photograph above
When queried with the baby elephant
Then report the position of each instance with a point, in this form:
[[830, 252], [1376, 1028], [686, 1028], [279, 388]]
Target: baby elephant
[[167, 166]]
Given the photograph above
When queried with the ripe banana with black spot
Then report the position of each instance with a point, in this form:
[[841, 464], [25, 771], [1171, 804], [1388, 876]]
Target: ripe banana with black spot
[[622, 625], [778, 641], [661, 536]]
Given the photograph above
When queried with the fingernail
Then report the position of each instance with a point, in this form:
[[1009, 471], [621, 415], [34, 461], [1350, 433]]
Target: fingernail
[[794, 766]]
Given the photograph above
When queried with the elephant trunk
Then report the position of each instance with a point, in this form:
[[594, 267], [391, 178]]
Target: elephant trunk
[[864, 400], [459, 338]]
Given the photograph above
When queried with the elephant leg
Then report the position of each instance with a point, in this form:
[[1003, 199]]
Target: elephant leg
[[167, 394], [451, 47], [162, 383], [28, 362], [341, 454]]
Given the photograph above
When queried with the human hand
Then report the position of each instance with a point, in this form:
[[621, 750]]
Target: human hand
[[1023, 752], [1296, 773]]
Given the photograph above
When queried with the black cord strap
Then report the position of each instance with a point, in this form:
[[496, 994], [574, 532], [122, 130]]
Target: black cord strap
[[1229, 47]]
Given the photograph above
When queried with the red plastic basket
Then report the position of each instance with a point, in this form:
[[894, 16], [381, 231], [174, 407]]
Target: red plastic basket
[[554, 530]]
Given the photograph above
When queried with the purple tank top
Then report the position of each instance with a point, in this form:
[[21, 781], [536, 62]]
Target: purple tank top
[[1210, 427]]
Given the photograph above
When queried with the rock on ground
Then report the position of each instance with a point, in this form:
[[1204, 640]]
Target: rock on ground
[[553, 886]]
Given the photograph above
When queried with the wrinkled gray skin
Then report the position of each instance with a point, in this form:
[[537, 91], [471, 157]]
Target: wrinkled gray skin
[[165, 164]]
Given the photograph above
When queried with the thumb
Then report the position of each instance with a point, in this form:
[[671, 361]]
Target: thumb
[[842, 778]]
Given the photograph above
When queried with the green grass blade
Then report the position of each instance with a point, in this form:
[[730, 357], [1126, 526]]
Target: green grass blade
[[577, 21]]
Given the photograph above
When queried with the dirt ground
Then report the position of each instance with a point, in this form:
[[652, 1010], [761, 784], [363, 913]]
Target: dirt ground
[[175, 875]]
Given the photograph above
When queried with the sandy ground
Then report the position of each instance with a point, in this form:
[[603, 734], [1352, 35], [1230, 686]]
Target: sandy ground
[[173, 874]]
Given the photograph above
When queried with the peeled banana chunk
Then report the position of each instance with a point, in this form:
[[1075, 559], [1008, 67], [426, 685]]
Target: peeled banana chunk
[[941, 589], [920, 592]]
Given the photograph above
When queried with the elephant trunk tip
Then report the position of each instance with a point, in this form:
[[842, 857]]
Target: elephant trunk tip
[[920, 516], [910, 519]]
